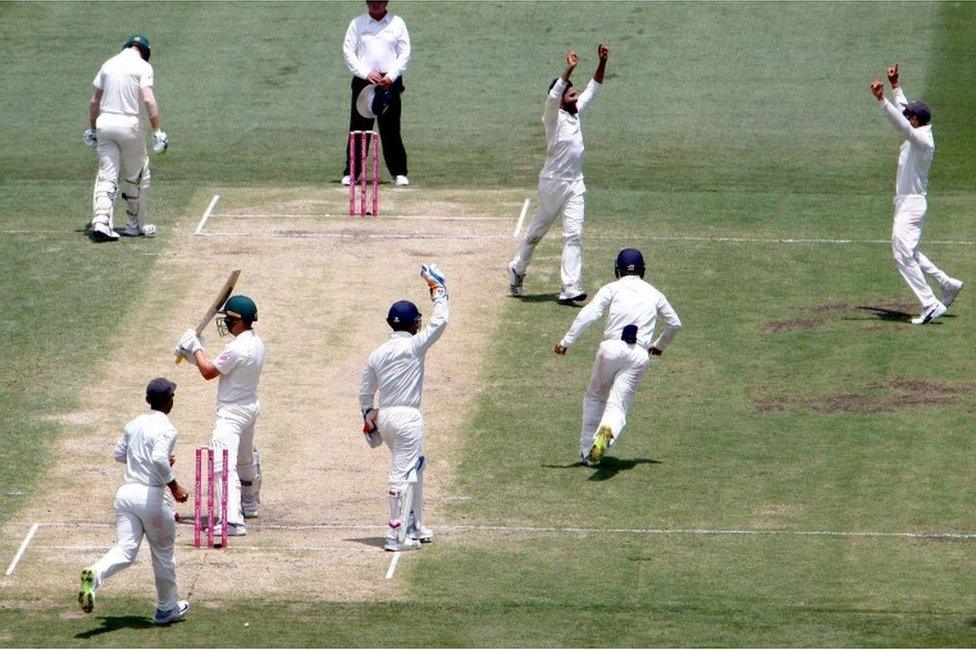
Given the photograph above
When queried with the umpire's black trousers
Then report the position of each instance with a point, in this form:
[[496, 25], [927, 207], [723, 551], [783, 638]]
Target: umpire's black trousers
[[393, 152]]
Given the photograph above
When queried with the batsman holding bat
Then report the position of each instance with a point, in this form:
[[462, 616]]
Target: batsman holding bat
[[396, 371], [239, 369]]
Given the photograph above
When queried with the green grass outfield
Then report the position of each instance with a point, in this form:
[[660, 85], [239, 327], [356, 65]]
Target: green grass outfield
[[782, 405]]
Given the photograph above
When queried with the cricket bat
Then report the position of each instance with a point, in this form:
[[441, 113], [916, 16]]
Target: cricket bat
[[218, 302]]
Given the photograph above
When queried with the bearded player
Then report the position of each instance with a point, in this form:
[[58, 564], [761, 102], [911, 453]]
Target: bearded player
[[395, 370], [634, 307], [239, 369], [561, 187]]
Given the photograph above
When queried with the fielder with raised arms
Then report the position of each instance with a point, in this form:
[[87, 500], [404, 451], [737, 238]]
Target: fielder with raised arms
[[239, 368], [141, 508], [395, 370], [634, 307], [119, 137], [561, 187], [911, 120]]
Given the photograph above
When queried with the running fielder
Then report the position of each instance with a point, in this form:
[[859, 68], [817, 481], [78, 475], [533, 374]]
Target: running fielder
[[141, 507], [396, 370], [634, 307], [561, 187], [911, 120], [119, 137], [239, 368]]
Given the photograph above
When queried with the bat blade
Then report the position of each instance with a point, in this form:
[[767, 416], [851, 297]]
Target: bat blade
[[215, 306]]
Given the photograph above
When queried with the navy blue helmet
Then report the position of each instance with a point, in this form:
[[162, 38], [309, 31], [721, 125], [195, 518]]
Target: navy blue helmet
[[629, 262], [403, 315]]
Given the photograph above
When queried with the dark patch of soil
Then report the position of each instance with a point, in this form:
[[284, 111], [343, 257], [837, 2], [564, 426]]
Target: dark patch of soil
[[889, 396], [792, 325]]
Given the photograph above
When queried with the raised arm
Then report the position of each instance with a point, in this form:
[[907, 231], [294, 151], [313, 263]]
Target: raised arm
[[555, 96], [425, 338]]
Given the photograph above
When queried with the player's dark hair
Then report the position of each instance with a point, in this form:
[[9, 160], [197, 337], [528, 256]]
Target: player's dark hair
[[569, 84]]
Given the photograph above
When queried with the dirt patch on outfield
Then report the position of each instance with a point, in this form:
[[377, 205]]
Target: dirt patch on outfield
[[323, 287], [792, 325], [873, 398], [827, 314]]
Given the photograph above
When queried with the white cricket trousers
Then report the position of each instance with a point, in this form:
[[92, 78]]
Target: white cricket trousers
[[402, 429], [557, 197], [617, 371], [906, 237], [140, 509], [234, 431], [121, 152]]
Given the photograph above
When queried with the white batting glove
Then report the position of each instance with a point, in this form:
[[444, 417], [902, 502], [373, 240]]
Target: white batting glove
[[89, 138], [435, 280], [190, 342], [159, 141]]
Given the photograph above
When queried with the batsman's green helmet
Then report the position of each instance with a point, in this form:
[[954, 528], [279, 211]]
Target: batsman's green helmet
[[142, 42], [242, 307]]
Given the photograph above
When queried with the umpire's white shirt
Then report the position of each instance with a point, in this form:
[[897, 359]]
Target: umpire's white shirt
[[381, 45], [396, 368], [240, 369], [915, 157], [120, 79], [564, 137], [145, 447], [631, 302]]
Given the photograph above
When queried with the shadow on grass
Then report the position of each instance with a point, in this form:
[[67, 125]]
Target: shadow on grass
[[114, 623], [538, 297], [376, 542], [608, 467], [893, 315]]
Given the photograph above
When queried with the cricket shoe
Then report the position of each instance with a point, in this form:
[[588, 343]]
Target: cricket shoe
[[586, 460], [423, 534], [408, 544], [249, 505], [571, 293], [929, 314], [135, 230], [101, 232], [174, 615], [236, 530], [515, 282], [601, 444], [401, 181], [950, 290], [86, 595]]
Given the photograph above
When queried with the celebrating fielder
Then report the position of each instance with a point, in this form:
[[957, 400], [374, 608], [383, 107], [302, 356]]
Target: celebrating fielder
[[911, 120], [561, 187], [119, 137], [239, 368], [396, 370], [146, 448], [634, 306]]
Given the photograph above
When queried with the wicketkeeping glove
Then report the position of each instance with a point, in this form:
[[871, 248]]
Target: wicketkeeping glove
[[435, 280], [370, 430], [159, 141], [89, 138]]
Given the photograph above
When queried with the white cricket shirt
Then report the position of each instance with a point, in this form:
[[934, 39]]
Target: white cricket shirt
[[145, 447], [396, 368], [381, 45], [120, 79], [564, 137], [917, 151], [240, 368], [631, 302]]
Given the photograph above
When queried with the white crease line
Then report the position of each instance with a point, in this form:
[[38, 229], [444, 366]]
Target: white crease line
[[23, 547], [356, 235], [393, 564], [206, 214], [600, 531], [518, 226], [401, 217], [188, 547]]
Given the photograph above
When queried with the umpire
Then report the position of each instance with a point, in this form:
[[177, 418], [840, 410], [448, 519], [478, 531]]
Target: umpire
[[377, 51]]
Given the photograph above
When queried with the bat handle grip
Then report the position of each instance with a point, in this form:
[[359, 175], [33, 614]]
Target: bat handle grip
[[178, 360]]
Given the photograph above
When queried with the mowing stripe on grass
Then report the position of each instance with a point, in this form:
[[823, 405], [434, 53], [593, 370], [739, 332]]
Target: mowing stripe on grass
[[23, 547]]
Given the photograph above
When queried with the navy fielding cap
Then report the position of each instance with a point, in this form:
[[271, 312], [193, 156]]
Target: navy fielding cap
[[403, 313], [920, 110], [159, 390]]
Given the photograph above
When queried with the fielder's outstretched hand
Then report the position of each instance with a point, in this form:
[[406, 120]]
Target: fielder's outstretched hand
[[893, 75], [435, 280], [603, 52], [560, 350]]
